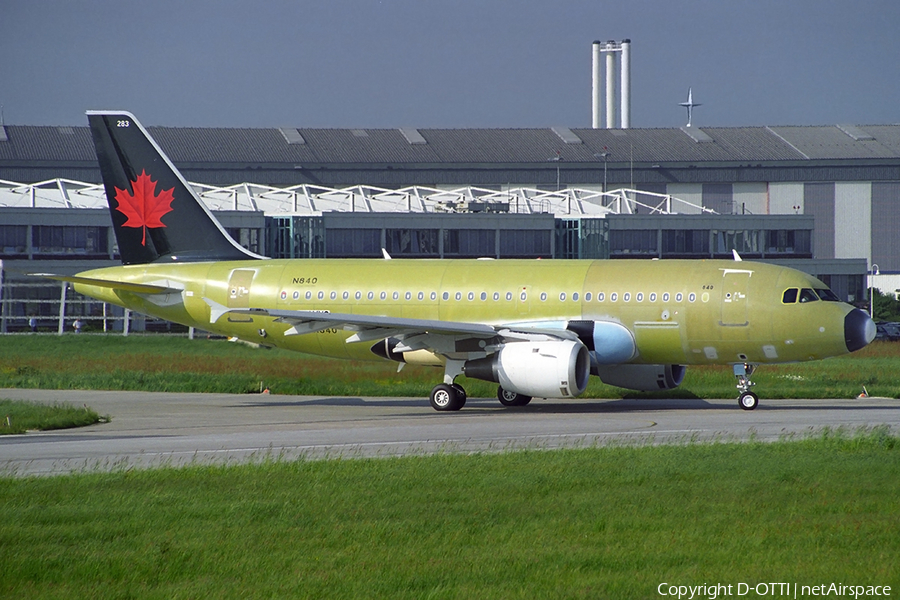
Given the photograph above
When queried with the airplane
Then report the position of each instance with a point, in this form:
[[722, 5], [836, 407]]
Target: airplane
[[690, 104], [538, 328]]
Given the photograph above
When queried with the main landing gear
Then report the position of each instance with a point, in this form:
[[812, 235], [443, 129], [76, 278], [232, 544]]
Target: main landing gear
[[450, 396], [509, 398], [747, 400], [447, 397]]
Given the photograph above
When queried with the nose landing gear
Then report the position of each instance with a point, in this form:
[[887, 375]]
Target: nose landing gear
[[747, 400]]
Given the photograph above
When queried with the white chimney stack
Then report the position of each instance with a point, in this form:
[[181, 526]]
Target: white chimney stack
[[625, 63], [623, 71], [596, 74], [610, 84]]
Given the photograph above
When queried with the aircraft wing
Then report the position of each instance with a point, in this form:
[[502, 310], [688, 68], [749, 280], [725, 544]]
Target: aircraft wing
[[445, 337]]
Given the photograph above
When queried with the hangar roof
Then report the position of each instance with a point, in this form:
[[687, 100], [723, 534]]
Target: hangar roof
[[32, 144]]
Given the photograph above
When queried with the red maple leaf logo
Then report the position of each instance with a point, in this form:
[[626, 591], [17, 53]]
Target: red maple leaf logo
[[144, 208]]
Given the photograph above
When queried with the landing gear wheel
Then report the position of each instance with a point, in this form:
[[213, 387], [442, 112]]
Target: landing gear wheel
[[509, 398], [446, 398], [748, 400], [460, 394]]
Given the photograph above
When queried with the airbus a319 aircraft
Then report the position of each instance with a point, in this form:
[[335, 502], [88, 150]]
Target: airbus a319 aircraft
[[538, 328]]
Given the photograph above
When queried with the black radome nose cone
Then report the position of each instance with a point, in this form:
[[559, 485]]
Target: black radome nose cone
[[859, 330]]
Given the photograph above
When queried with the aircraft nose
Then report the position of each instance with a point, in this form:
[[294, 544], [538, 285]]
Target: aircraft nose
[[859, 330]]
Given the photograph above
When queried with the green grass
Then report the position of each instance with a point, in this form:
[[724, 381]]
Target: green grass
[[19, 416], [591, 523], [162, 363]]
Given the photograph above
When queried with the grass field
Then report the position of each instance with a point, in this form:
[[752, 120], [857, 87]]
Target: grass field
[[18, 416], [591, 523], [162, 363]]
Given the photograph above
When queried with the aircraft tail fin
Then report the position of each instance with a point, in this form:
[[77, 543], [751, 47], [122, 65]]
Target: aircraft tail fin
[[156, 215]]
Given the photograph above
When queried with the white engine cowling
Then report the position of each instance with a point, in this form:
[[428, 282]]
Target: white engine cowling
[[645, 378], [551, 369]]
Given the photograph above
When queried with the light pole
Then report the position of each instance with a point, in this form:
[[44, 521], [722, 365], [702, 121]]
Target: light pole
[[557, 159], [604, 155], [872, 275]]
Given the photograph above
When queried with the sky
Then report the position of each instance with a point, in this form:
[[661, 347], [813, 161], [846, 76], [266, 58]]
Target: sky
[[442, 64]]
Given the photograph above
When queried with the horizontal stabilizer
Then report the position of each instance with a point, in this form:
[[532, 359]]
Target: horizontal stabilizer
[[124, 286]]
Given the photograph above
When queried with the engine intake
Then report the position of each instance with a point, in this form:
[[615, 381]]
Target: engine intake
[[551, 369]]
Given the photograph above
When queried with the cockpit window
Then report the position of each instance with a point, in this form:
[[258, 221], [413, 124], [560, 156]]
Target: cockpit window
[[790, 296], [827, 295], [807, 295]]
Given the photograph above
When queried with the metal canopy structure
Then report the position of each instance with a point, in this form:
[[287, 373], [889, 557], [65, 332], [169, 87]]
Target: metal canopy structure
[[314, 200]]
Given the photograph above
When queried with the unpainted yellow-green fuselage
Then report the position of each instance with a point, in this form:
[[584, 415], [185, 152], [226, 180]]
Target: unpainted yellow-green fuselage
[[680, 312]]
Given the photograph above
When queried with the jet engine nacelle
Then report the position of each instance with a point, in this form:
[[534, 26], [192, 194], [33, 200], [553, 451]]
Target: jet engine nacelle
[[551, 369], [645, 378]]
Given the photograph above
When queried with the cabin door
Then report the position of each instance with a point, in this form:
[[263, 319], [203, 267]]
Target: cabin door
[[239, 288], [735, 283]]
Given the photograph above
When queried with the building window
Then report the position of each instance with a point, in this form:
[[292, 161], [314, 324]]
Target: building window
[[13, 239], [525, 243], [353, 243], [247, 237], [412, 242], [69, 241], [685, 243], [745, 241], [469, 242], [632, 242], [789, 243]]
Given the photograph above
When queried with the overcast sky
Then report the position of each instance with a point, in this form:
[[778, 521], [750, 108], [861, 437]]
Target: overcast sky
[[465, 63]]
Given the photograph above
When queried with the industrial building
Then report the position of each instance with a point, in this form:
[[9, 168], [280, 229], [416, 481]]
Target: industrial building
[[822, 199]]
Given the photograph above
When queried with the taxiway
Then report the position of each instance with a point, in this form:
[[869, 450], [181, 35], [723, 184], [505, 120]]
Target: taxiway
[[148, 429]]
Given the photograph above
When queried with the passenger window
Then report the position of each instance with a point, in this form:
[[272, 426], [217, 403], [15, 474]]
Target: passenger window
[[790, 296], [587, 297], [807, 295], [575, 297], [446, 296]]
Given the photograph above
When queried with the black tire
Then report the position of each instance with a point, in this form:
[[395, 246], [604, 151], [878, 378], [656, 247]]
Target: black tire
[[461, 394], [445, 398], [748, 401], [509, 398]]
